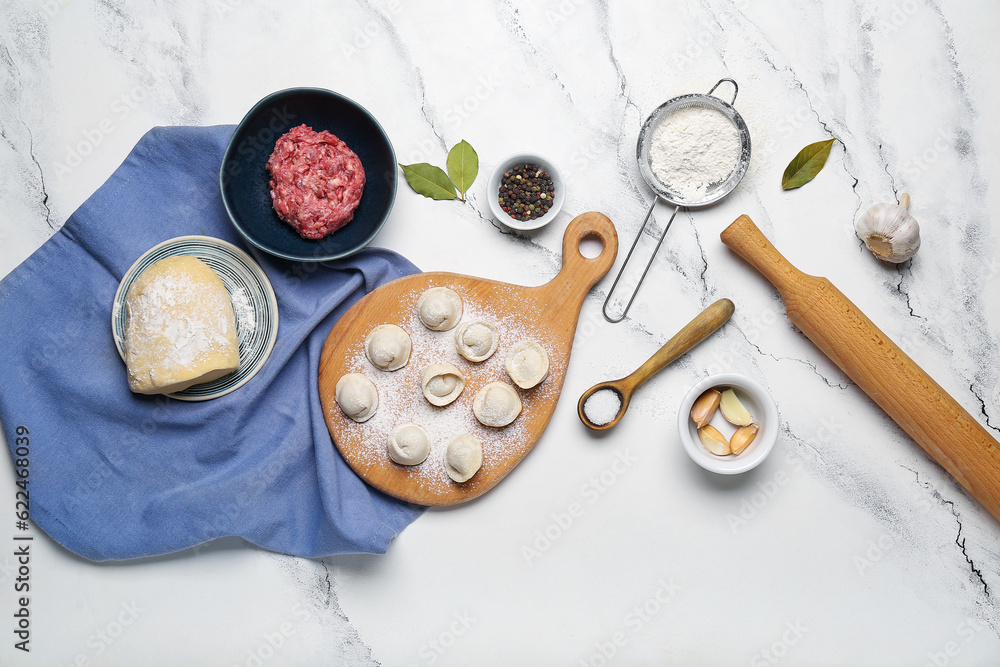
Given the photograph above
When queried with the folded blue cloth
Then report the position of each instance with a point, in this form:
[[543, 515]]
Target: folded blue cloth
[[115, 475]]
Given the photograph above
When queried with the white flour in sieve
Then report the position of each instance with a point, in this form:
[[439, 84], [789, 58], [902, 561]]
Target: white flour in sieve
[[694, 148], [401, 399]]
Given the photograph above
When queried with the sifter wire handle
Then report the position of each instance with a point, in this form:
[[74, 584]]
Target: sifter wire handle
[[638, 236], [736, 89]]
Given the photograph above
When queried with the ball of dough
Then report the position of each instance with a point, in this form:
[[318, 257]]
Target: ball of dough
[[439, 308], [409, 444], [497, 404], [476, 341], [442, 383], [527, 364], [181, 327], [388, 347], [357, 396], [463, 458]]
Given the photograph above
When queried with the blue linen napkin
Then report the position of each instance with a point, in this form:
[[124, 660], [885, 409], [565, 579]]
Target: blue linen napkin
[[115, 475]]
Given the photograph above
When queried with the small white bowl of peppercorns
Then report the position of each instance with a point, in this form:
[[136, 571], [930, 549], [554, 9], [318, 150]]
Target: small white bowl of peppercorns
[[526, 191]]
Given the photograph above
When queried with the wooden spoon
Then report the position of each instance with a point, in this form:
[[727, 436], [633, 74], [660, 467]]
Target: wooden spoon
[[696, 331]]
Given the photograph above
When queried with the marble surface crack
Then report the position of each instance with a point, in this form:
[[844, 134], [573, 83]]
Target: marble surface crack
[[503, 229], [404, 53], [622, 80], [787, 430], [826, 127], [812, 366], [515, 27], [704, 258], [721, 31], [905, 294], [885, 166], [41, 175], [328, 584], [351, 643], [31, 141], [982, 407], [960, 541]]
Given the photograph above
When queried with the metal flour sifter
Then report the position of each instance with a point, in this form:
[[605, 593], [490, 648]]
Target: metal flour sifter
[[714, 192]]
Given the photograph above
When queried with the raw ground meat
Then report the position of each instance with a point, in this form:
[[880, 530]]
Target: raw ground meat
[[316, 181]]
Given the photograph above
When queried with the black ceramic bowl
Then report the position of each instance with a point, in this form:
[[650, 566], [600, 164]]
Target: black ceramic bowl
[[244, 178]]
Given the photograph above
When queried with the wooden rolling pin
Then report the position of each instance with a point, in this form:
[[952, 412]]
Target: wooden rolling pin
[[900, 387]]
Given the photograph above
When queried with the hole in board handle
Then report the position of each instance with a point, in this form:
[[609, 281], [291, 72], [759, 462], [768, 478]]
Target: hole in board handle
[[591, 246]]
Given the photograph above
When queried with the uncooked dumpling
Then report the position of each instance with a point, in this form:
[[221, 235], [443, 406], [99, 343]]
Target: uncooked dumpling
[[476, 341], [439, 308], [442, 383], [357, 396], [181, 328], [388, 347], [527, 364], [463, 458], [497, 404], [409, 444]]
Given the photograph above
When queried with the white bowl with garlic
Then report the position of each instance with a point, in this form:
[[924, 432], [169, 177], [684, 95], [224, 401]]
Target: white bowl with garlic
[[728, 413]]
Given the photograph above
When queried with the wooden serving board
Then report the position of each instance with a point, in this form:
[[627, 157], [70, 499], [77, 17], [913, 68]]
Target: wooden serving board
[[547, 314]]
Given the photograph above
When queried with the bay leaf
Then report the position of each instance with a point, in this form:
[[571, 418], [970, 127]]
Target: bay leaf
[[804, 166], [463, 166], [428, 180]]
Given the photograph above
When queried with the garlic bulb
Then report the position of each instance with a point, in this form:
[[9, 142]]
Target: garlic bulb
[[889, 231]]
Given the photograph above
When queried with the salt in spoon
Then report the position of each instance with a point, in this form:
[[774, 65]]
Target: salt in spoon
[[696, 331]]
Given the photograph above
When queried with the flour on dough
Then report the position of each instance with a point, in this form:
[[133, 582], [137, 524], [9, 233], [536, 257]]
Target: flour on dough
[[463, 458], [181, 328], [388, 347], [440, 308]]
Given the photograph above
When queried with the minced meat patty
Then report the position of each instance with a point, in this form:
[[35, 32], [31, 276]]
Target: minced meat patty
[[316, 181]]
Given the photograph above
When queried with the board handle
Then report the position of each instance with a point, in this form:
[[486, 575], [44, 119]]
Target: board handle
[[578, 273]]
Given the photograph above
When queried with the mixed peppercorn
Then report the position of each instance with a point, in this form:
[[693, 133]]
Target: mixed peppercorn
[[526, 192]]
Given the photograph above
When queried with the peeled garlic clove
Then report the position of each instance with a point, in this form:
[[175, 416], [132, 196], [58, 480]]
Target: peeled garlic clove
[[889, 231], [742, 438], [704, 408], [713, 440], [733, 410]]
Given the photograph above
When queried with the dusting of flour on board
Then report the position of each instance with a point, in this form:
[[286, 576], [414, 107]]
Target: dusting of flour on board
[[401, 399]]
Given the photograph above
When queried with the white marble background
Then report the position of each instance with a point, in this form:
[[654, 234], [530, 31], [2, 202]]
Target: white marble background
[[849, 546]]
